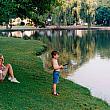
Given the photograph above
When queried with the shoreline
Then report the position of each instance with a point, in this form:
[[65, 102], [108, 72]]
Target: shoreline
[[32, 28]]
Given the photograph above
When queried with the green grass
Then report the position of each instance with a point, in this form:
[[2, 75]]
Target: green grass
[[34, 91]]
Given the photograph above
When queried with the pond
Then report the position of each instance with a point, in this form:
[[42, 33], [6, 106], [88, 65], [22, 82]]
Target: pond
[[89, 48]]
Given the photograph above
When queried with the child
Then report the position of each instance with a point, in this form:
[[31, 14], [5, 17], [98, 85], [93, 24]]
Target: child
[[6, 69], [56, 71]]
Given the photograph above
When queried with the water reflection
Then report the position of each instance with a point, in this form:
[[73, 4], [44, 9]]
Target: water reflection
[[17, 34], [71, 44], [96, 76]]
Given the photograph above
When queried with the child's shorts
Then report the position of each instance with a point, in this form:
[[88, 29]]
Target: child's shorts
[[56, 77]]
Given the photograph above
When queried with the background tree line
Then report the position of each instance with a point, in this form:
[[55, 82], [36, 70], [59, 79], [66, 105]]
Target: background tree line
[[63, 12]]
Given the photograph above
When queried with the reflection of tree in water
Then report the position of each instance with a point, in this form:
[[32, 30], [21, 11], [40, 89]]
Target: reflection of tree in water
[[78, 48], [103, 43], [70, 45]]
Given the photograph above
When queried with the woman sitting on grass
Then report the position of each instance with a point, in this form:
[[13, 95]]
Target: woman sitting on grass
[[6, 69]]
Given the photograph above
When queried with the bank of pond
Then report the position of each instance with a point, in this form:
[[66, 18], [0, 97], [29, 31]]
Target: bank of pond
[[34, 91]]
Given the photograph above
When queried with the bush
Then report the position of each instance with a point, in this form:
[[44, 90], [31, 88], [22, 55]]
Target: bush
[[41, 50]]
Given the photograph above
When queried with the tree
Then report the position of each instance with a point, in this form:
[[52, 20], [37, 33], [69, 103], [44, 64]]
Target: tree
[[103, 15], [87, 10], [34, 9], [64, 12], [83, 11], [7, 10], [103, 3]]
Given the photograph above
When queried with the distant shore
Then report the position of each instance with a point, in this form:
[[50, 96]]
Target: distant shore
[[32, 28]]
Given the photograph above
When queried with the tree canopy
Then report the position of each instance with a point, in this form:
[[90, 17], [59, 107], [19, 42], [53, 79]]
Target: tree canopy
[[103, 15], [62, 11], [7, 10]]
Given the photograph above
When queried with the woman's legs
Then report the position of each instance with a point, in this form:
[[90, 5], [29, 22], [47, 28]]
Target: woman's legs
[[9, 70]]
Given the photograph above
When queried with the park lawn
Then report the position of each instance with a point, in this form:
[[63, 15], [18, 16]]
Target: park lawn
[[34, 91]]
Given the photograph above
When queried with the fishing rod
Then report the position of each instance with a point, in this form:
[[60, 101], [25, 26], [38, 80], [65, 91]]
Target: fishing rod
[[71, 62]]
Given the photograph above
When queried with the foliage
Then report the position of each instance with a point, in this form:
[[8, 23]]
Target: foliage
[[24, 9], [65, 12], [103, 3], [7, 10], [83, 11], [34, 9], [103, 15], [41, 50], [87, 10]]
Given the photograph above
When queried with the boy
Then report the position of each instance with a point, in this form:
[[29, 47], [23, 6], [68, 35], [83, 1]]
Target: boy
[[56, 71], [6, 69]]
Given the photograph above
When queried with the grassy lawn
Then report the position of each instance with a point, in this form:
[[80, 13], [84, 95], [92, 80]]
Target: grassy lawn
[[34, 91]]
